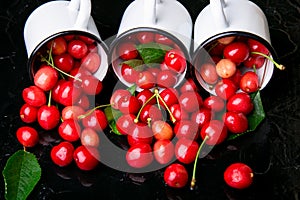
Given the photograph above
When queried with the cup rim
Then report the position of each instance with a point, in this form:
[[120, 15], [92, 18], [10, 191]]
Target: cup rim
[[30, 61]]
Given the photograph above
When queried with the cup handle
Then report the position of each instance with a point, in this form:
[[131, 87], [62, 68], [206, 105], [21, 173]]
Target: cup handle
[[217, 10], [74, 5], [83, 14], [150, 11]]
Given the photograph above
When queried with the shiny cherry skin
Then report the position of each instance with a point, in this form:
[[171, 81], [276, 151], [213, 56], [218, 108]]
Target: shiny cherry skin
[[254, 61], [27, 136], [56, 89], [91, 62], [190, 101], [28, 113], [145, 80], [91, 85], [150, 113], [188, 85], [249, 82], [163, 151], [139, 155], [237, 52], [215, 130], [214, 103], [255, 45], [238, 175], [89, 137], [62, 154], [236, 122], [96, 120], [240, 102], [216, 49], [116, 96], [145, 37], [78, 73], [86, 158], [34, 96], [178, 113], [225, 88], [176, 175], [129, 74], [208, 73], [48, 117], [139, 133], [186, 150], [77, 48], [162, 39], [64, 62], [166, 79], [46, 78], [186, 129], [127, 51], [169, 96], [162, 130], [58, 45], [68, 93], [144, 95], [202, 116], [69, 130], [236, 77], [175, 60], [86, 39], [83, 102], [129, 104], [71, 112], [125, 123]]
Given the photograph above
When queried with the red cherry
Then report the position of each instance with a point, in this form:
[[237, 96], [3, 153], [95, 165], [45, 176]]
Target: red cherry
[[86, 158], [225, 88], [186, 150], [139, 155], [68, 93], [62, 154], [116, 96], [71, 112], [236, 77], [129, 74], [144, 96], [208, 73], [256, 61], [249, 82], [169, 96], [69, 130], [83, 102], [150, 113], [188, 86], [124, 123], [166, 79], [202, 116], [86, 39], [216, 49], [64, 62], [48, 117], [163, 151], [162, 39], [129, 104], [235, 122], [175, 60], [58, 46], [91, 85], [256, 46], [55, 90], [240, 102], [27, 136], [96, 120], [215, 130], [238, 175], [77, 48], [145, 37], [214, 103], [46, 78], [176, 175], [127, 51], [89, 137], [190, 101], [91, 62], [186, 129], [28, 113], [69, 37], [92, 48], [78, 73], [237, 52], [178, 113], [139, 133], [145, 80], [34, 96]]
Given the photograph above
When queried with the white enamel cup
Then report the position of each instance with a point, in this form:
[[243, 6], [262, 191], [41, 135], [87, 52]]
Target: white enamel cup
[[58, 18], [222, 18], [166, 17]]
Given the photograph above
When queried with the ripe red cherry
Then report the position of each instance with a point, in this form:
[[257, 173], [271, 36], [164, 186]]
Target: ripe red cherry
[[236, 122], [58, 45], [166, 79], [237, 52], [163, 151], [186, 150], [124, 123], [249, 82], [27, 136], [236, 77], [91, 62], [178, 113], [139, 133], [201, 116], [208, 73], [188, 86], [116, 95], [55, 90], [256, 61], [28, 113], [71, 112], [169, 96], [127, 51], [145, 80], [238, 175], [77, 48], [176, 175], [86, 158], [186, 129], [46, 78], [216, 49], [48, 117], [144, 95], [175, 60], [129, 104], [145, 37], [65, 62], [129, 74], [139, 155], [162, 39], [215, 130], [190, 101], [150, 113], [83, 102], [62, 154], [91, 85], [225, 88], [34, 96], [86, 39], [240, 102], [254, 45], [96, 120], [68, 93], [214, 103], [89, 137], [69, 130]]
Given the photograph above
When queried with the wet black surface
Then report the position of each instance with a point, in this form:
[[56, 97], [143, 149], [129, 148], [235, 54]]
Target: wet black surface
[[272, 151]]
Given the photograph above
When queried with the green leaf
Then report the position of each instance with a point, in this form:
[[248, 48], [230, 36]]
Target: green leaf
[[135, 63], [132, 89], [254, 118], [21, 173], [113, 128], [152, 52], [112, 115]]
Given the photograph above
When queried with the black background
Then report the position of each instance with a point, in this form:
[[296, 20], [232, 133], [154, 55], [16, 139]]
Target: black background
[[272, 151]]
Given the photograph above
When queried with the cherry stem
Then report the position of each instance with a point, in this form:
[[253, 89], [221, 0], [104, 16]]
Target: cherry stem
[[49, 98], [166, 106], [193, 181], [143, 106], [279, 66], [92, 110]]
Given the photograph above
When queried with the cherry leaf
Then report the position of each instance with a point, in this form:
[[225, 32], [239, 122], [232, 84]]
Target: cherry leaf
[[21, 173], [137, 64], [152, 52], [112, 115]]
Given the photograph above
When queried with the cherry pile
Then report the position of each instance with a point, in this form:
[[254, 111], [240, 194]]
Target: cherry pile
[[60, 98]]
